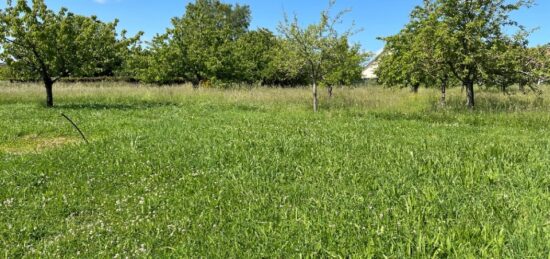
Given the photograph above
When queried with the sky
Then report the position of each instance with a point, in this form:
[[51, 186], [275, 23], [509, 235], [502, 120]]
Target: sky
[[374, 18]]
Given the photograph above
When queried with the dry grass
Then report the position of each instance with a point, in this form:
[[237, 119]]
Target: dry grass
[[371, 98], [35, 144]]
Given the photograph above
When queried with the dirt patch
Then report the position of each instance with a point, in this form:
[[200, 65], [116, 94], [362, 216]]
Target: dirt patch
[[35, 144]]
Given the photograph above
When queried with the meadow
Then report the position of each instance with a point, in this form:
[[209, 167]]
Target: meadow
[[172, 171]]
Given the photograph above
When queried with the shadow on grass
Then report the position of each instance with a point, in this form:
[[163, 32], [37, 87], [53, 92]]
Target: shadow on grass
[[490, 110], [497, 103], [115, 106]]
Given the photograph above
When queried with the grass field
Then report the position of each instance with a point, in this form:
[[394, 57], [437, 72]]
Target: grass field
[[254, 173]]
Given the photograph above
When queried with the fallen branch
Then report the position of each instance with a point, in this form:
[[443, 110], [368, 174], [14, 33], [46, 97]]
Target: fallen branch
[[76, 127]]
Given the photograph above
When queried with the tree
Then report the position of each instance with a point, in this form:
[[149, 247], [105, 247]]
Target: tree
[[38, 43], [470, 30], [403, 62], [509, 61], [460, 40], [413, 57], [429, 44], [253, 53], [537, 64], [159, 63], [314, 43], [345, 66], [285, 67], [204, 37]]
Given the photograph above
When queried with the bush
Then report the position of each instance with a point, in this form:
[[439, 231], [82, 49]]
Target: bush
[[4, 73]]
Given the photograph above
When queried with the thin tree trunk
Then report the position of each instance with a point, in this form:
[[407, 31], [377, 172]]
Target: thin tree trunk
[[315, 100], [196, 81], [330, 91], [195, 84], [470, 94], [48, 83], [414, 88]]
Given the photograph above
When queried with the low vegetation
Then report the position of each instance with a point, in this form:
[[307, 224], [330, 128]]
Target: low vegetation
[[221, 157], [174, 171]]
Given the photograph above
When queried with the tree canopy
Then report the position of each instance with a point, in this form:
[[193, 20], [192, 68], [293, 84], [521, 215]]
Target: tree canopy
[[201, 45], [212, 42], [457, 38], [38, 43], [446, 43], [320, 46]]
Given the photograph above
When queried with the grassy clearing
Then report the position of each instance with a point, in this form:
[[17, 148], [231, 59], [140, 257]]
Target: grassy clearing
[[253, 173]]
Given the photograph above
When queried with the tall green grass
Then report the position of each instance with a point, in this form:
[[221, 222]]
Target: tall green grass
[[179, 172]]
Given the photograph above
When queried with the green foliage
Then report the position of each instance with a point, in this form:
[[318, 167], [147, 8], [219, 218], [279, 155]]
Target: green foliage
[[203, 41], [205, 35], [510, 62], [38, 43], [286, 67], [253, 54], [321, 48], [172, 172], [460, 39], [537, 64], [159, 63], [211, 43], [345, 64], [401, 61], [313, 44], [471, 29], [414, 57], [4, 72]]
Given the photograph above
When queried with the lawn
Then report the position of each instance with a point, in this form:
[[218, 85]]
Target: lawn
[[254, 173]]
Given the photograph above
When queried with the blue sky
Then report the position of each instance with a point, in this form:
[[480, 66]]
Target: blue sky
[[375, 17]]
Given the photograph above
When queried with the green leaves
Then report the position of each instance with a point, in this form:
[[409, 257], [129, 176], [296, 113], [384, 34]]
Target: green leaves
[[208, 43], [212, 42], [324, 51], [205, 36], [461, 39], [345, 64], [40, 44]]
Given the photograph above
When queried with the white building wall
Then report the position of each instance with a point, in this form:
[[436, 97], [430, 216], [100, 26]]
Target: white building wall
[[369, 72]]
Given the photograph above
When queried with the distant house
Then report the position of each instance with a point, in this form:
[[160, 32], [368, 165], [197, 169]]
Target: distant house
[[369, 72]]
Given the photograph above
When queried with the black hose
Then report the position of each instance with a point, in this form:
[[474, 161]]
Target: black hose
[[76, 127]]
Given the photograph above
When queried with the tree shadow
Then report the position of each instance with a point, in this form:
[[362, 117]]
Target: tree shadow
[[498, 103], [490, 110], [115, 106]]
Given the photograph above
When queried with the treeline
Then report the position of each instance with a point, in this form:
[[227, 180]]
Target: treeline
[[211, 43], [463, 43], [447, 43]]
